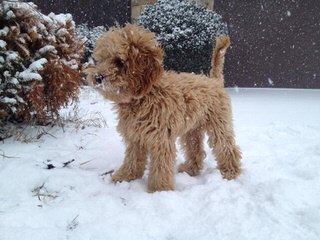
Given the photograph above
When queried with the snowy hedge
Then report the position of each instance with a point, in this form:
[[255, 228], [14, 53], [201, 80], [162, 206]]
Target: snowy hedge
[[39, 62], [186, 31], [90, 36]]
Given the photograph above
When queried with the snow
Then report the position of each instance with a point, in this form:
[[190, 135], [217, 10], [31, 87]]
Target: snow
[[7, 5], [12, 56], [12, 91], [38, 64], [10, 14], [13, 80], [3, 44], [72, 63], [90, 37], [27, 75], [47, 48], [271, 83], [4, 31], [62, 19], [8, 100], [276, 197]]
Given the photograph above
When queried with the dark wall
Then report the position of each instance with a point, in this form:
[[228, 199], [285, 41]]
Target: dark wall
[[93, 12], [274, 43]]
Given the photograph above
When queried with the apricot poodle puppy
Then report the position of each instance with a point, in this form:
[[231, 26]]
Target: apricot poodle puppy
[[156, 107]]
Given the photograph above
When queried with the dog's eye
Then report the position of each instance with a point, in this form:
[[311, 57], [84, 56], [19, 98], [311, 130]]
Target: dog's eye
[[99, 78], [118, 62]]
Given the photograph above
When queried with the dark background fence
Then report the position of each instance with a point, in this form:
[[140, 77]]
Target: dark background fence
[[92, 12], [274, 43]]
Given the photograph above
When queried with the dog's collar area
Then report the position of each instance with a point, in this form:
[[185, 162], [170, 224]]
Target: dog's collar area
[[132, 102], [124, 104]]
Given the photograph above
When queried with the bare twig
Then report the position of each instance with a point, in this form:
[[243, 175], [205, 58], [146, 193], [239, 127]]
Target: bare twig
[[65, 164], [5, 156], [42, 193], [124, 201], [44, 132], [107, 172], [73, 224], [86, 162]]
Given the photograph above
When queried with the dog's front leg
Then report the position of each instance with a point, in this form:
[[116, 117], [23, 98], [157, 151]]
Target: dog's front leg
[[133, 165], [161, 176]]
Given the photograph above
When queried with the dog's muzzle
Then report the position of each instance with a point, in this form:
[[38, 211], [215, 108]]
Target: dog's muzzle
[[99, 78]]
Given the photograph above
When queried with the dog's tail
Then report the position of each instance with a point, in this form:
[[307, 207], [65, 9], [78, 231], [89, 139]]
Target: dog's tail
[[217, 62]]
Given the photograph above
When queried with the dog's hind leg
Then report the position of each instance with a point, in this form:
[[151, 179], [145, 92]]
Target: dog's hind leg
[[222, 141], [192, 143], [134, 163]]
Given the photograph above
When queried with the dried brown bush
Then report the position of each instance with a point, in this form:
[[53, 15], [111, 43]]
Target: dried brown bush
[[39, 62]]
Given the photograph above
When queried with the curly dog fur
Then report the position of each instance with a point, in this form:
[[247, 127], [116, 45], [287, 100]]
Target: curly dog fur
[[156, 107]]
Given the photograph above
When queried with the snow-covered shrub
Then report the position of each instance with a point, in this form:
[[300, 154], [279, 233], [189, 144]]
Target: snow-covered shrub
[[39, 62], [90, 36], [186, 31]]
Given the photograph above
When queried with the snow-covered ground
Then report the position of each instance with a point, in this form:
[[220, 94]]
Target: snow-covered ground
[[276, 197]]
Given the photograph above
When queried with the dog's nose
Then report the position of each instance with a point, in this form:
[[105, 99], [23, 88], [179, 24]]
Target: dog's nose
[[99, 78]]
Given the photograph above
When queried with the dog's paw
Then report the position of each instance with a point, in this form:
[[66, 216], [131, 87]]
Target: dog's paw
[[192, 170], [160, 187], [230, 173], [119, 176]]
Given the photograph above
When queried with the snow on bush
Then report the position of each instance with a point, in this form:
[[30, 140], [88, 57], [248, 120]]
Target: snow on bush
[[39, 62], [90, 36], [186, 31]]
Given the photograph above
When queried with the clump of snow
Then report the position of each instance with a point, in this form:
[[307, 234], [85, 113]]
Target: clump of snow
[[14, 81], [62, 32], [4, 31], [10, 14], [8, 5], [12, 56], [47, 48], [31, 73], [62, 19], [270, 81], [3, 44], [12, 91], [38, 64], [27, 75], [72, 63], [8, 100]]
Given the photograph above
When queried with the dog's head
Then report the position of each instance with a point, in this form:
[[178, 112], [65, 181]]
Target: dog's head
[[128, 62]]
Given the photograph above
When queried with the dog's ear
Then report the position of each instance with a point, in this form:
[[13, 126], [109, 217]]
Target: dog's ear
[[153, 69], [144, 59]]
